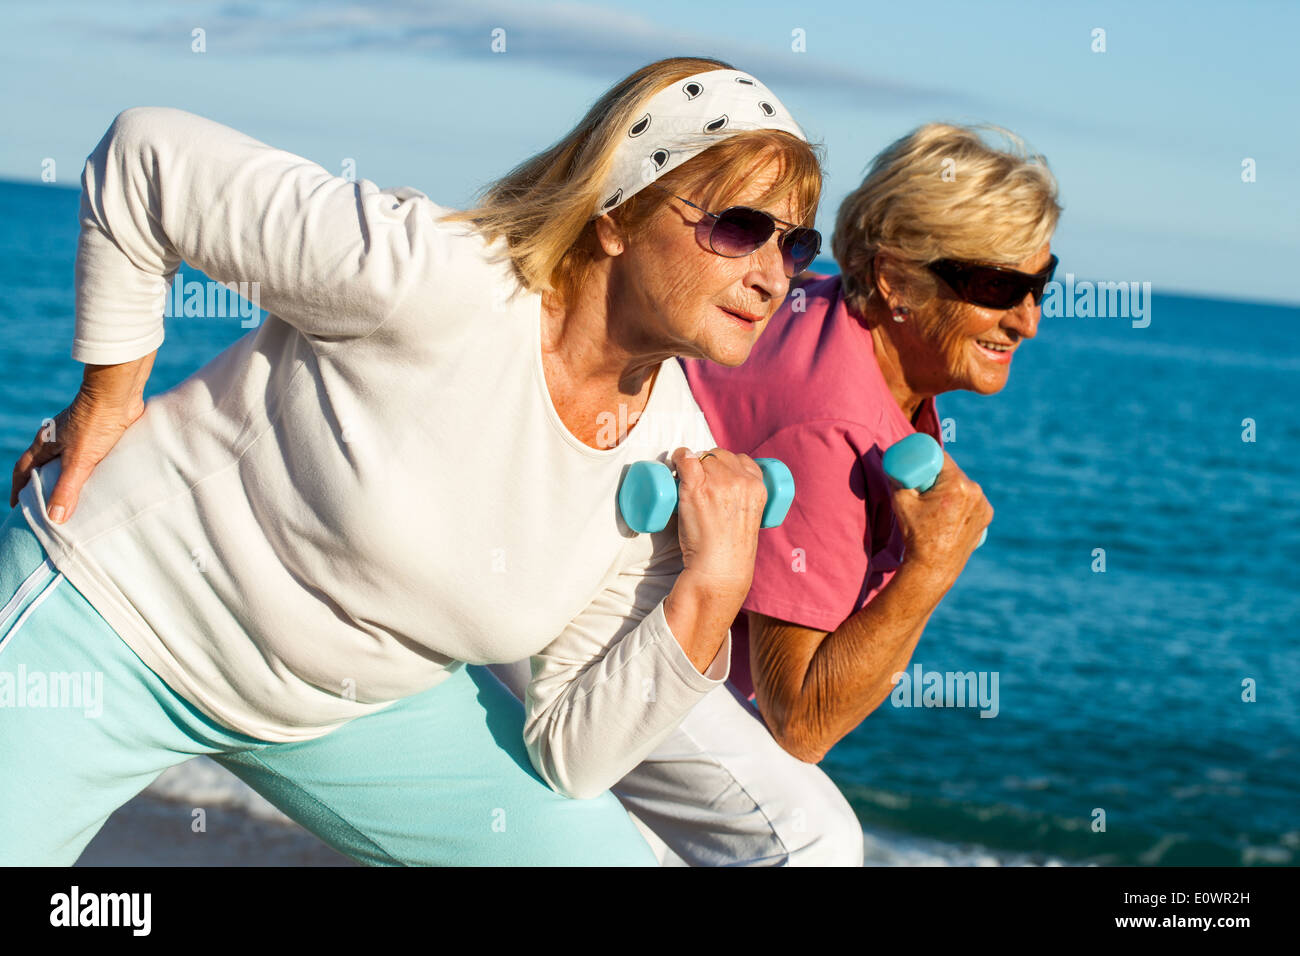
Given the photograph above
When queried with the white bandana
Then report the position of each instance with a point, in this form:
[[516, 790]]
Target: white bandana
[[685, 119]]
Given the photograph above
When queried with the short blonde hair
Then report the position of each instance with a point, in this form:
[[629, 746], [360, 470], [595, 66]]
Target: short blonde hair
[[942, 192], [544, 206]]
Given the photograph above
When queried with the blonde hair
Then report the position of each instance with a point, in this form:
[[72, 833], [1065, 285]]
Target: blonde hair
[[544, 206], [942, 192]]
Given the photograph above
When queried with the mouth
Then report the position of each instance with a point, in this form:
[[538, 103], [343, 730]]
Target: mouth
[[998, 352], [743, 318]]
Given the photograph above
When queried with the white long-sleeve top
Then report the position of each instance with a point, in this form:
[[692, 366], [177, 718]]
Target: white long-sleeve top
[[371, 486]]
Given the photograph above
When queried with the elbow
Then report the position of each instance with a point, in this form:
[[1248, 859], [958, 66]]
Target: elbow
[[559, 770], [131, 114], [572, 785], [799, 743], [569, 781], [142, 116], [794, 733], [791, 725], [119, 152], [129, 125], [136, 130], [580, 792]]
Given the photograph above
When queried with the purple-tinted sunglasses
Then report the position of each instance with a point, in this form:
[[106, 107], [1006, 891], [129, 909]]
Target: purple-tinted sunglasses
[[739, 231]]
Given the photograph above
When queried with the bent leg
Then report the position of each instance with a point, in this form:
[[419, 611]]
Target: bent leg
[[720, 791], [84, 724], [440, 778]]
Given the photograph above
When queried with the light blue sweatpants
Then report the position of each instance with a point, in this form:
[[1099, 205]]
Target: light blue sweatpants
[[439, 778]]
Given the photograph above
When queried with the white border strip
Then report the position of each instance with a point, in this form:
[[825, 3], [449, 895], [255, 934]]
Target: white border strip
[[24, 589], [36, 602]]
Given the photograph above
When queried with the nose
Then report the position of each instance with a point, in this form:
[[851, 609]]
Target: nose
[[767, 269], [1024, 317]]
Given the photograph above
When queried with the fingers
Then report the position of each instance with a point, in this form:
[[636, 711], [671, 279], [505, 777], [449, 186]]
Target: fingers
[[731, 461], [952, 477], [690, 464], [22, 471], [67, 490], [951, 470], [941, 525], [38, 453], [722, 469], [680, 456]]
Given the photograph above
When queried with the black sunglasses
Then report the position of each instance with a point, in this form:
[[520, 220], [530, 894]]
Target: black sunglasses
[[738, 231], [994, 287]]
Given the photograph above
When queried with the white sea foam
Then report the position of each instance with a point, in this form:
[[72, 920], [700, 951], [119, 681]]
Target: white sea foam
[[891, 849]]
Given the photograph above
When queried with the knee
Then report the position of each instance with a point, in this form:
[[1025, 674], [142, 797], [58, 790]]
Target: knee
[[820, 827]]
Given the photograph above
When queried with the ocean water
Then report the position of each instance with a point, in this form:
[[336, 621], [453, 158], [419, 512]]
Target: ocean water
[[1119, 691]]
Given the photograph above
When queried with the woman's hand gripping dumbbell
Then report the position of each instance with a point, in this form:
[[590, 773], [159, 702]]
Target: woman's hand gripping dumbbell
[[721, 500], [648, 496], [944, 515]]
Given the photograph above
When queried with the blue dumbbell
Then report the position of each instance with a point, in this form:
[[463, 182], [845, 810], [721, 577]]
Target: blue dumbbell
[[915, 462], [648, 495]]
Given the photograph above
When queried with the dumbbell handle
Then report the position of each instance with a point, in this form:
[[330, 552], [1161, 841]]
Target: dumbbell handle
[[915, 462], [648, 496]]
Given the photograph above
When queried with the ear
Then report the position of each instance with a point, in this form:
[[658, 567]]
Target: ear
[[610, 235], [886, 276]]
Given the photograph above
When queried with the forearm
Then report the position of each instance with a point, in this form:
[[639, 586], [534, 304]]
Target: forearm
[[700, 618], [586, 729], [119, 385], [850, 672]]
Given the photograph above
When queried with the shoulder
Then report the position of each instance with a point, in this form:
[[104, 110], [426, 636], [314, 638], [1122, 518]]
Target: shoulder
[[461, 238], [461, 273], [455, 237]]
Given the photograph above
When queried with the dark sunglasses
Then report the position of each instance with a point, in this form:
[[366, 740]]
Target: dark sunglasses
[[994, 287], [738, 231]]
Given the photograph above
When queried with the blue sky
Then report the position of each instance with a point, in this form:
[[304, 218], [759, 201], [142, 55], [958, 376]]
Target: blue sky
[[1147, 138]]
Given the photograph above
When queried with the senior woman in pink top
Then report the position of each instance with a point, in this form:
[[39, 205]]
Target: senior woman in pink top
[[945, 251]]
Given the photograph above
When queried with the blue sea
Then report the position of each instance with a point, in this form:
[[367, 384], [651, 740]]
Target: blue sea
[[1147, 713]]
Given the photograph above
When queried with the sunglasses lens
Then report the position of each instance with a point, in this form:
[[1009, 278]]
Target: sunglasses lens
[[739, 231], [1041, 286], [995, 290], [991, 287], [799, 247]]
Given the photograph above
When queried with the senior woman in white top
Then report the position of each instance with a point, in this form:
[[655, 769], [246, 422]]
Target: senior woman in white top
[[283, 561]]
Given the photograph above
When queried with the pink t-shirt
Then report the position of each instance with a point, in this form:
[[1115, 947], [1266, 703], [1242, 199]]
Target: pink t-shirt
[[812, 395]]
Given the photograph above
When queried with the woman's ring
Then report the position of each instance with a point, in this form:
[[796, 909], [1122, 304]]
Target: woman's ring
[[707, 454]]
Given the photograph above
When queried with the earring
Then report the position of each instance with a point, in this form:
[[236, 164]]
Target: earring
[[899, 313]]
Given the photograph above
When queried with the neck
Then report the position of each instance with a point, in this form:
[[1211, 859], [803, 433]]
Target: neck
[[597, 354], [596, 370], [890, 342]]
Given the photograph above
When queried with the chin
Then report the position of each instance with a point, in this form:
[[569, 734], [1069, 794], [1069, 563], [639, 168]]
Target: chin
[[983, 386], [734, 359], [729, 354]]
